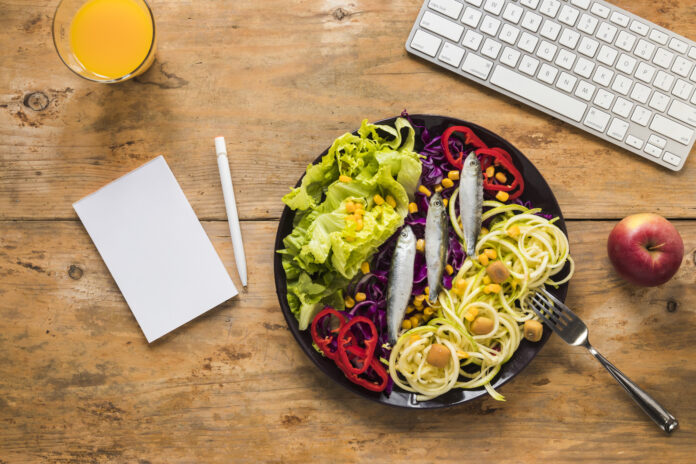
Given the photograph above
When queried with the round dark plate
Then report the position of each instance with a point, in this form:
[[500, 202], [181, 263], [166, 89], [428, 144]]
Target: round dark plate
[[537, 191]]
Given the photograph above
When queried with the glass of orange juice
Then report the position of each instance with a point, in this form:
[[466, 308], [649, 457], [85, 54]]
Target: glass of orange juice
[[105, 40]]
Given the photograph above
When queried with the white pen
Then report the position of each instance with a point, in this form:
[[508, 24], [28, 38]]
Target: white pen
[[231, 207]]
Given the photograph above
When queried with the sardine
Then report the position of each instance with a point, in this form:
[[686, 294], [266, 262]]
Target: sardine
[[435, 244], [400, 281], [471, 201]]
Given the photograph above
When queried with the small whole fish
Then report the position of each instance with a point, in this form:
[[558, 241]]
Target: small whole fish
[[436, 231], [400, 281], [471, 201]]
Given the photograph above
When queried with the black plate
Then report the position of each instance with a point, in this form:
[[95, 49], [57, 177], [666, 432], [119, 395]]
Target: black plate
[[537, 191]]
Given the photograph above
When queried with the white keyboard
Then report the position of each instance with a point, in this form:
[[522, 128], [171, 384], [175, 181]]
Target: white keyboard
[[589, 63]]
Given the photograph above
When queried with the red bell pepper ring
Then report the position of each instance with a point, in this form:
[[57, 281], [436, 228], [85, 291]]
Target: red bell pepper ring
[[364, 357], [323, 342], [377, 367], [501, 157], [469, 138]]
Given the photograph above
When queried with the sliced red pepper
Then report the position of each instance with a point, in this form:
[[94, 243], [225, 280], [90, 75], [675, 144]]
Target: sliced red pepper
[[324, 342], [377, 367], [344, 342], [469, 138], [501, 157]]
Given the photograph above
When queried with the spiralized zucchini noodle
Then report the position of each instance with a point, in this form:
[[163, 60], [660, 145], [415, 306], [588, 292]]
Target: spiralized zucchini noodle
[[534, 250]]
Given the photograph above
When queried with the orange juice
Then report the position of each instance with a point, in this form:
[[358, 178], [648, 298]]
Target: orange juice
[[112, 38]]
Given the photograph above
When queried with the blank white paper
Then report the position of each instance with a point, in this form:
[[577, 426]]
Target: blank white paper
[[155, 248]]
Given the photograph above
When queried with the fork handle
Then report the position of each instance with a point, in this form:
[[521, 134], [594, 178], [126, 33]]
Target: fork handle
[[647, 403]]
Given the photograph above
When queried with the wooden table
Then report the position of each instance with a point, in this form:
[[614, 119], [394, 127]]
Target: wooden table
[[79, 383]]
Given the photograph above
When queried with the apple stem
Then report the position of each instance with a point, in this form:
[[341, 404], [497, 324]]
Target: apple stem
[[652, 247]]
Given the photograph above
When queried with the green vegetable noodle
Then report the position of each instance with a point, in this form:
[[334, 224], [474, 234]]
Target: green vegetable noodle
[[347, 206]]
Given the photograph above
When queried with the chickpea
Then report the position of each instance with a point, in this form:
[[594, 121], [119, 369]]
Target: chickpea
[[482, 325], [533, 330], [497, 272], [439, 355]]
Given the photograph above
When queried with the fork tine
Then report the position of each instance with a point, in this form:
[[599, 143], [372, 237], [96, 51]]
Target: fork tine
[[545, 309], [563, 310]]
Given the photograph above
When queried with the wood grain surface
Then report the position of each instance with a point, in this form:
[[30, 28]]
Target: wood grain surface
[[281, 79]]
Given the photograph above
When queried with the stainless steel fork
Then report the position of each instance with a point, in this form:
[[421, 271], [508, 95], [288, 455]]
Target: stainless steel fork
[[573, 331]]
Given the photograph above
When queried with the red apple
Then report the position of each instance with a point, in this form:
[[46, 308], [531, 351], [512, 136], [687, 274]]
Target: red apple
[[645, 249]]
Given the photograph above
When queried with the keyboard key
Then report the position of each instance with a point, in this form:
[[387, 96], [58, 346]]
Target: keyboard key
[[550, 8], [566, 82], [533, 91], [596, 119], [513, 13], [494, 6], [426, 43], [588, 47], [546, 51], [441, 26], [569, 38], [626, 64], [565, 59], [584, 4], [639, 28], [682, 89], [634, 141], [584, 67], [621, 84], [585, 90], [491, 48], [603, 99], [607, 55], [587, 24], [568, 15], [645, 72], [531, 21], [451, 54], [659, 101], [618, 18], [530, 3], [550, 30], [640, 93], [652, 150], [547, 73], [625, 41], [659, 142], [477, 66], [658, 36], [617, 129], [644, 49], [490, 25], [528, 42], [606, 32], [600, 10], [672, 159], [450, 8], [682, 112], [471, 17], [529, 65], [677, 45], [692, 53], [681, 66], [603, 76], [509, 34], [472, 40], [622, 107], [474, 2], [663, 81], [641, 116], [663, 58], [510, 57]]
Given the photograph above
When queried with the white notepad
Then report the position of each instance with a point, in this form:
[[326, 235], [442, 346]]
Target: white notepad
[[155, 248]]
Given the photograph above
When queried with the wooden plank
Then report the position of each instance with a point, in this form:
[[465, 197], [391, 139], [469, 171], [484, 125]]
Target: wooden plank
[[78, 382], [281, 80]]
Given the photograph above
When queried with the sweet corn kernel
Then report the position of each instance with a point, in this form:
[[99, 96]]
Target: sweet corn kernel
[[350, 302], [378, 199], [350, 207], [447, 183], [414, 338], [391, 201], [454, 175], [365, 267], [344, 179], [471, 314], [418, 305], [359, 207], [420, 245], [415, 322], [358, 224], [438, 188], [514, 231], [424, 190], [490, 171], [461, 284], [449, 269], [486, 280], [492, 288], [500, 177], [406, 324], [502, 196], [457, 291], [428, 311], [490, 252], [426, 290], [484, 231], [444, 202], [419, 299], [462, 354], [360, 296], [410, 309], [412, 208], [483, 259], [350, 217]]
